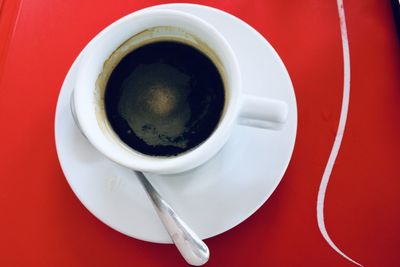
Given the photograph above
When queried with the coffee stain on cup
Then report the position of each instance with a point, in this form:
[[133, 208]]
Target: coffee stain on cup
[[147, 36]]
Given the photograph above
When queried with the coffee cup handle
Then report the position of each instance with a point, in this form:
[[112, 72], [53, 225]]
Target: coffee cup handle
[[261, 112]]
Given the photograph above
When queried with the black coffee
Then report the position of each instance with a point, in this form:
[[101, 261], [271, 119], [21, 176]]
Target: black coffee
[[164, 98]]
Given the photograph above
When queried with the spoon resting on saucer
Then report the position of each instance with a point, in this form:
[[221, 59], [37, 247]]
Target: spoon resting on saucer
[[191, 247]]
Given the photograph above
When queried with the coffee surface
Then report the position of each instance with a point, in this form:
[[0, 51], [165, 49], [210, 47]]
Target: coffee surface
[[164, 98]]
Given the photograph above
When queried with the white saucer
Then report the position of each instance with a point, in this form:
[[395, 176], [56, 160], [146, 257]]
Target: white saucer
[[213, 198]]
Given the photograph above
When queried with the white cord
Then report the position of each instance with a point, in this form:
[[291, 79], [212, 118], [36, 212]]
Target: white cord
[[339, 134]]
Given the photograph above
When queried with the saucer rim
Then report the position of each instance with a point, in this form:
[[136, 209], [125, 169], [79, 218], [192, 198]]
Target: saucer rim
[[249, 212]]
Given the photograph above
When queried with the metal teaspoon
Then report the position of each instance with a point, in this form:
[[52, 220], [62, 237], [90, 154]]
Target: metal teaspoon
[[191, 247]]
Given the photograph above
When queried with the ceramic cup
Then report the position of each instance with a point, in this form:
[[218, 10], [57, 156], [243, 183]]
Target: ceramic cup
[[105, 51]]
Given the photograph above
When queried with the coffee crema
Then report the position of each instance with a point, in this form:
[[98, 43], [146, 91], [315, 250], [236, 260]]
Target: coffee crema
[[164, 98]]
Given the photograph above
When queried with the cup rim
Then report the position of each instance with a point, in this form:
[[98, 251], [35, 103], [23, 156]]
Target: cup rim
[[136, 160]]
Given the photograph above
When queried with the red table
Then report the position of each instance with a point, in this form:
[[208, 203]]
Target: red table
[[43, 223]]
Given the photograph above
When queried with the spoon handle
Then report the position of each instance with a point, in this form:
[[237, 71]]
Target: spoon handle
[[191, 247]]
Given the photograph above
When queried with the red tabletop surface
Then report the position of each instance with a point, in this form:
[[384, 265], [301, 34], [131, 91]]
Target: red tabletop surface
[[43, 223]]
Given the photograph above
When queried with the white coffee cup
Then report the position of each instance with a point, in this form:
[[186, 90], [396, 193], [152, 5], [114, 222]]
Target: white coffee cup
[[141, 27]]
